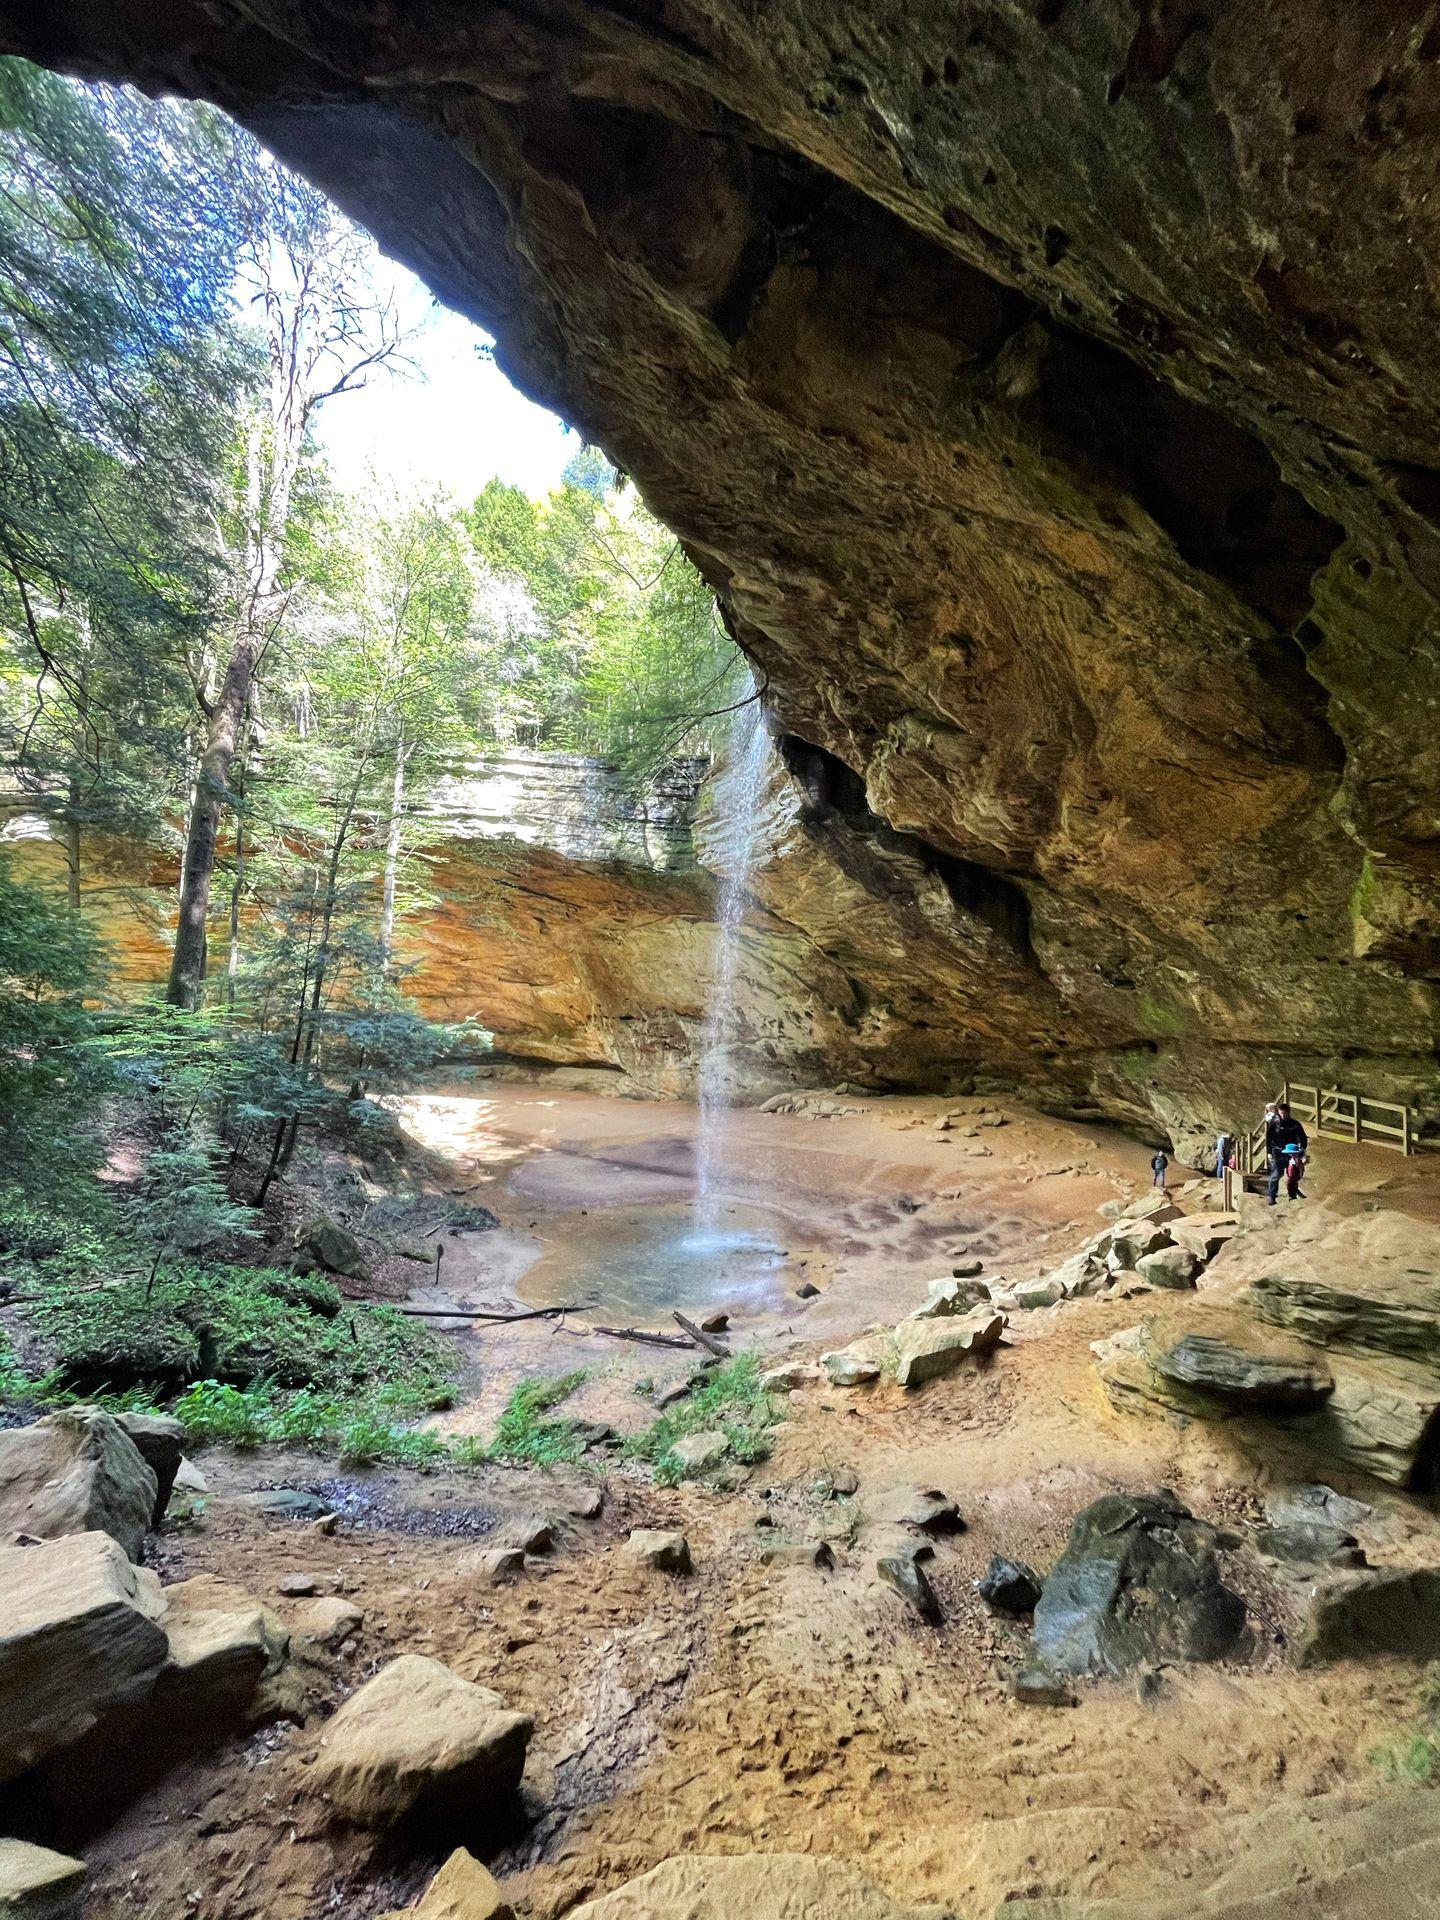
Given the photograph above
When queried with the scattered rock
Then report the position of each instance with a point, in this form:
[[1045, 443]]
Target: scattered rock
[[1204, 1234], [158, 1439], [327, 1622], [1010, 1586], [699, 1452], [667, 1552], [1035, 1685], [584, 1503], [950, 1297], [79, 1637], [296, 1586], [967, 1270], [531, 1533], [36, 1884], [789, 1376], [287, 1503], [1175, 1267], [501, 1563], [927, 1349], [1383, 1610], [1308, 1545], [1043, 1292], [843, 1481], [904, 1573], [189, 1479], [462, 1890], [324, 1527], [324, 1244], [807, 1290], [418, 1743], [76, 1472], [859, 1363], [715, 1323], [1137, 1582], [796, 1553], [925, 1508], [1133, 1241]]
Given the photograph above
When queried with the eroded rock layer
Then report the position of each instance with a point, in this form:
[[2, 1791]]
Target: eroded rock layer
[[1049, 392]]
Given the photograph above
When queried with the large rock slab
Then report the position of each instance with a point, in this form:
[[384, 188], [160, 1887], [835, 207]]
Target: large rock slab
[[418, 1743], [76, 1472], [1378, 1610], [926, 1349], [759, 1886], [463, 1889], [80, 1637], [37, 1884], [861, 1362], [223, 1643], [1226, 1353], [160, 1441], [1137, 1582]]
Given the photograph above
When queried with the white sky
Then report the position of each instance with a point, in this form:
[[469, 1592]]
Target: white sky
[[452, 422]]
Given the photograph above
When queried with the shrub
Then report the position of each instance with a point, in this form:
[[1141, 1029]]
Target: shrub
[[732, 1399], [524, 1432]]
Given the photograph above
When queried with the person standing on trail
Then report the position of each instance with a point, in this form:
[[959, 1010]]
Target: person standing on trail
[[1222, 1155], [1159, 1166], [1285, 1140]]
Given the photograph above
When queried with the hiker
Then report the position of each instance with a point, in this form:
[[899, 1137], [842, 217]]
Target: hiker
[[1282, 1131], [1222, 1155], [1294, 1166], [1159, 1166]]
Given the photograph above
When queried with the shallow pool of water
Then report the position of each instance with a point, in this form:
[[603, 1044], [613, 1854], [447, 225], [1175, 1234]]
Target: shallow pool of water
[[634, 1266]]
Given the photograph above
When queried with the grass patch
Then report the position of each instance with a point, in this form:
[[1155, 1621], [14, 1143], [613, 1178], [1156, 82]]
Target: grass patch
[[1413, 1760], [730, 1400], [526, 1433]]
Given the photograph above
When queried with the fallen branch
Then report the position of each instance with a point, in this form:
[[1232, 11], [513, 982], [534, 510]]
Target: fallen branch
[[706, 1340], [481, 1313], [630, 1333]]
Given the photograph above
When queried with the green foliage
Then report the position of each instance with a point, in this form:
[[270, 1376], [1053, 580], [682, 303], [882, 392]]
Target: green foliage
[[729, 1399], [1413, 1760], [525, 1433], [364, 1429]]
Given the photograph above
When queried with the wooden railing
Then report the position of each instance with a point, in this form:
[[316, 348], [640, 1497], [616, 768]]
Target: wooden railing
[[1332, 1115]]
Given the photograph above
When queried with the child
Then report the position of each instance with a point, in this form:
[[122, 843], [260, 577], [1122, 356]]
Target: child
[[1159, 1166], [1294, 1166]]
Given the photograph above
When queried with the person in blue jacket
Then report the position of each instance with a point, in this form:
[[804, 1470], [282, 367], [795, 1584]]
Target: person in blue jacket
[[1283, 1131]]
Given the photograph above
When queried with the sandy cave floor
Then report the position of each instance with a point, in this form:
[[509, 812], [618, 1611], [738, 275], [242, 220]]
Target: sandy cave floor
[[745, 1708]]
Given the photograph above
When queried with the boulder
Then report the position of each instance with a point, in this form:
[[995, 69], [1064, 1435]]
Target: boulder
[[76, 1472], [1131, 1241], [1381, 1610], [501, 1563], [665, 1551], [789, 1376], [926, 1349], [1315, 1505], [715, 1323], [419, 1744], [1305, 1544], [1224, 1352], [79, 1637], [189, 1478], [697, 1453], [796, 1553], [1137, 1583], [860, 1362], [949, 1297], [1036, 1685], [1045, 1291], [1204, 1234], [296, 1586], [159, 1439], [324, 1244], [462, 1890], [1010, 1586], [530, 1532], [1382, 1417], [904, 1572], [967, 1270], [1175, 1267], [760, 1886], [327, 1622], [583, 1503], [36, 1884], [222, 1644], [1395, 1313]]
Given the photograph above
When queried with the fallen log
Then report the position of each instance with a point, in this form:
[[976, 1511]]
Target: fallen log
[[631, 1333], [481, 1313], [706, 1340]]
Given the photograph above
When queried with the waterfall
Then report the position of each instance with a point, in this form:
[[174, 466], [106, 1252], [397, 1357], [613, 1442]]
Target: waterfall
[[736, 801]]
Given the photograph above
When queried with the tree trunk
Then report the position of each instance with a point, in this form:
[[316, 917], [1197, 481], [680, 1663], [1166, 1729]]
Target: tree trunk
[[392, 857], [187, 964], [72, 847]]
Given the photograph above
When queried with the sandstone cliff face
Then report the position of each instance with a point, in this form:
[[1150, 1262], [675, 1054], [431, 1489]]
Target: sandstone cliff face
[[1049, 392]]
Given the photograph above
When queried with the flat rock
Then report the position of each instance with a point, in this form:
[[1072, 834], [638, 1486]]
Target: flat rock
[[699, 1452], [1137, 1584], [796, 1553], [222, 1644], [907, 1576], [950, 1297], [1315, 1505], [1204, 1234], [927, 1349], [924, 1508], [967, 1270], [462, 1890], [36, 1884], [1036, 1685], [1010, 1586], [759, 1886], [418, 1743], [583, 1503], [1304, 1544], [80, 1636], [296, 1586], [189, 1478], [76, 1472], [327, 1622], [287, 1503], [666, 1551], [789, 1377], [1226, 1352], [1381, 1610], [531, 1533], [1047, 1290]]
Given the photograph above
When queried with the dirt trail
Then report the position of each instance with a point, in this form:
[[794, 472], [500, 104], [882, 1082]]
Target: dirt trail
[[745, 1708]]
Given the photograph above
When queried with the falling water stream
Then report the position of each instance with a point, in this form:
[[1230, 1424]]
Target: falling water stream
[[737, 808]]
